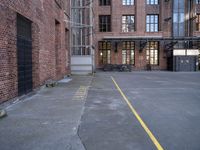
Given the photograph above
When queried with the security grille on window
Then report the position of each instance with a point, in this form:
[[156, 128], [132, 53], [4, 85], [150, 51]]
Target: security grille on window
[[105, 23], [152, 53], [152, 2], [104, 2], [127, 2], [104, 52], [128, 52], [197, 1], [128, 23], [198, 22], [152, 23]]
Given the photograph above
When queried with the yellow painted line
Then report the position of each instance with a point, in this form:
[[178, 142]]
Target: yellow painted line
[[150, 134], [80, 93]]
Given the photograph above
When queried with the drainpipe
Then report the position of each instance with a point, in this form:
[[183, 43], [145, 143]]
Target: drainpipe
[[92, 50]]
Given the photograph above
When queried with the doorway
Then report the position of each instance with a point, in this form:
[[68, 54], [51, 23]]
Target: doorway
[[24, 55]]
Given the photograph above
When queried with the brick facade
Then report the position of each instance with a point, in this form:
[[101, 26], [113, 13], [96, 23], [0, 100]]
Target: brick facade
[[50, 44], [140, 9]]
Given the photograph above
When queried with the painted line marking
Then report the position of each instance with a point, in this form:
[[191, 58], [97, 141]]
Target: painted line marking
[[81, 93], [150, 134]]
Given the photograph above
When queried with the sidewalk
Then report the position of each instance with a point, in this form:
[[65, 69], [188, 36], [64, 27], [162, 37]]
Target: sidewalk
[[48, 120]]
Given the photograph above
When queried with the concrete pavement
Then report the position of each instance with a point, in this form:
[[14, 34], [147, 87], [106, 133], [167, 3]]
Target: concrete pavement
[[48, 120], [90, 113], [168, 102]]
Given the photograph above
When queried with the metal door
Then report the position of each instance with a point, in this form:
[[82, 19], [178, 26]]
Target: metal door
[[24, 55], [185, 63]]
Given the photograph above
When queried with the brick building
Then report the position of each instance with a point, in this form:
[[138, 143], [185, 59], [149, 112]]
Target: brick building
[[34, 44], [146, 33]]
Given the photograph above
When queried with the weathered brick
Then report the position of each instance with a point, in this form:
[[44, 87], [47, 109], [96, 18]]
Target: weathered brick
[[43, 14]]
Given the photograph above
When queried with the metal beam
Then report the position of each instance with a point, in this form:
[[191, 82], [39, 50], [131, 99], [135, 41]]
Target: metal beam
[[150, 38]]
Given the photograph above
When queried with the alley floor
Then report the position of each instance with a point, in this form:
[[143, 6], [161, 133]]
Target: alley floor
[[110, 111]]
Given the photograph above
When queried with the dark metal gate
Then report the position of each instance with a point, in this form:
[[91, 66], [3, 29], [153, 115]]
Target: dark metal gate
[[185, 63], [24, 55]]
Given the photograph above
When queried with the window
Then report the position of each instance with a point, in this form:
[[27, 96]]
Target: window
[[152, 23], [178, 18], [127, 2], [128, 23], [104, 52], [66, 38], [198, 22], [128, 55], [197, 1], [105, 23], [57, 42], [152, 53], [152, 2], [104, 2]]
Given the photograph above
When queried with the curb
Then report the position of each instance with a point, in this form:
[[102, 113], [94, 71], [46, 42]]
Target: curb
[[2, 113]]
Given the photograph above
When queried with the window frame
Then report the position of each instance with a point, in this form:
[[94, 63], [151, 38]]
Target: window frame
[[151, 53], [152, 2], [106, 23], [104, 2], [150, 24], [104, 50], [126, 24], [129, 52], [128, 2], [197, 22]]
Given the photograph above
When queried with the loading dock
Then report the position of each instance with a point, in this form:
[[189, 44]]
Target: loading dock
[[185, 63], [185, 59]]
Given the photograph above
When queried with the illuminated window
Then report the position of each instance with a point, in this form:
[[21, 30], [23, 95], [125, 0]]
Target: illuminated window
[[128, 54], [104, 52], [152, 53]]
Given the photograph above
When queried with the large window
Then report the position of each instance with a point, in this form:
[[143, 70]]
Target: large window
[[152, 2], [128, 23], [152, 53], [104, 2], [178, 18], [127, 2], [104, 52], [197, 1], [105, 23], [128, 54], [152, 23], [198, 22], [179, 22]]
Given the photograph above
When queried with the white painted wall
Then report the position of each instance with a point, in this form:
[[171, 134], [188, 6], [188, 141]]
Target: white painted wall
[[81, 64]]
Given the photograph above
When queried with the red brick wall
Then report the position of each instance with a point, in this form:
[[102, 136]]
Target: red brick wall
[[140, 9], [43, 14]]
